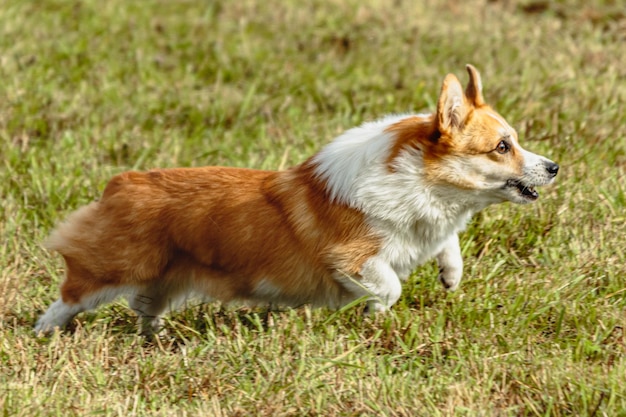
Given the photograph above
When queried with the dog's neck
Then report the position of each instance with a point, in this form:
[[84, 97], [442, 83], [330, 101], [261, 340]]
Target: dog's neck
[[356, 170]]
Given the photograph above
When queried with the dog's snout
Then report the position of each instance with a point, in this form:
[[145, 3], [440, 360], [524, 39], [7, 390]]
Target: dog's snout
[[552, 168]]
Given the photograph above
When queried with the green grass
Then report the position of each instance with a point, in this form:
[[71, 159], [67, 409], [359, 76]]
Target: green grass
[[89, 89]]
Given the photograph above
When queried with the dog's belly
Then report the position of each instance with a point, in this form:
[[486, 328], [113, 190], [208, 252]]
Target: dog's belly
[[318, 290], [291, 283]]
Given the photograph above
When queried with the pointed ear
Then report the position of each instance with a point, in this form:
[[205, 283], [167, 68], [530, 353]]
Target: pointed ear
[[451, 108], [474, 90]]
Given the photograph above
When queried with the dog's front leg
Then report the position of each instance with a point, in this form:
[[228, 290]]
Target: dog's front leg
[[450, 263], [382, 283], [378, 281]]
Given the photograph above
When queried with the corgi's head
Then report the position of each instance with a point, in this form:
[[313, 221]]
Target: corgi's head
[[473, 148]]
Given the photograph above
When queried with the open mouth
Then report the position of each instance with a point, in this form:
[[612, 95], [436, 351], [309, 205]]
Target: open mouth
[[525, 190]]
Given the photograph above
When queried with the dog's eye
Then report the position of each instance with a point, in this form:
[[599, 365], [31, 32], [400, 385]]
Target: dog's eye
[[503, 147]]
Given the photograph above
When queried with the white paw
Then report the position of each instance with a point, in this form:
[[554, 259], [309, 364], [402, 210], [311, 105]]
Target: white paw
[[373, 307], [150, 326], [57, 316], [44, 328], [450, 278]]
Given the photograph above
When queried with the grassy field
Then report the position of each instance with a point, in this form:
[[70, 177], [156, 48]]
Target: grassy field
[[538, 328]]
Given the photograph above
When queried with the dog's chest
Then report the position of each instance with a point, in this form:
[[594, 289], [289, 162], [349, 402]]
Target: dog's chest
[[408, 248]]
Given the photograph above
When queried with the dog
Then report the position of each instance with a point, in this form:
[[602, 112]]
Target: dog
[[351, 222]]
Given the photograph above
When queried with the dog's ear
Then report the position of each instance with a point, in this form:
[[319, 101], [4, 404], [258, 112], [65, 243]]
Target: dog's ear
[[474, 89], [452, 107]]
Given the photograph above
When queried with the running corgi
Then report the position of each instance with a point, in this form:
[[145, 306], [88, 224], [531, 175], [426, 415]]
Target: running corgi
[[352, 221]]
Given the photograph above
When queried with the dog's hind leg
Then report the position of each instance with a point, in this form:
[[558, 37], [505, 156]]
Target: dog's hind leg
[[182, 278], [80, 292], [149, 303], [57, 316]]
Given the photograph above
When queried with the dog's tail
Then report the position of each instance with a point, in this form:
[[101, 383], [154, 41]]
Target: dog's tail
[[76, 233]]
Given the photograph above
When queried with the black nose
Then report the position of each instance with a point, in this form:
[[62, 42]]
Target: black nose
[[552, 168]]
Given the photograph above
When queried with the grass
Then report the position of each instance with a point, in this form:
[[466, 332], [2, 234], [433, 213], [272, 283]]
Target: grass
[[90, 89]]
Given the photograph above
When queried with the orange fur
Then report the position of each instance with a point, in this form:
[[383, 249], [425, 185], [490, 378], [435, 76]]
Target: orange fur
[[225, 229]]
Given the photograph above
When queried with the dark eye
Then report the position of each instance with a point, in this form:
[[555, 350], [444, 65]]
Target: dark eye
[[503, 147]]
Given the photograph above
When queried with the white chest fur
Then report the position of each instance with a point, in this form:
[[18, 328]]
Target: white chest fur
[[406, 249]]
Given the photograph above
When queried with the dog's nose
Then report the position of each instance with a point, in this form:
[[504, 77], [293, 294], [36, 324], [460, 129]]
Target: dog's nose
[[552, 168]]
